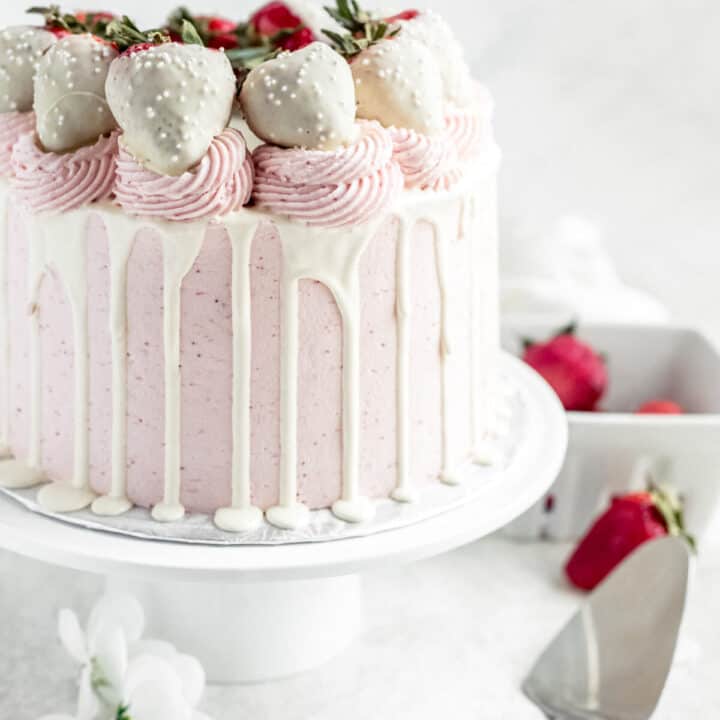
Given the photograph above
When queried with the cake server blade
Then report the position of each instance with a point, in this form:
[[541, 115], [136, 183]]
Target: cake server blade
[[611, 661]]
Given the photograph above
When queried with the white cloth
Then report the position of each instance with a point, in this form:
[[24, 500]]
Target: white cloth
[[568, 274]]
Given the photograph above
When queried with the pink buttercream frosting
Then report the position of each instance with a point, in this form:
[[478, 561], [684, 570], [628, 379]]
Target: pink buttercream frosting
[[427, 162], [466, 129], [12, 126], [220, 183], [47, 181], [347, 186]]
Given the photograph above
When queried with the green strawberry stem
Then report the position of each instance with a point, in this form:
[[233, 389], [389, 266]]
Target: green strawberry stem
[[54, 18], [363, 30], [94, 23], [671, 509], [125, 33], [569, 329]]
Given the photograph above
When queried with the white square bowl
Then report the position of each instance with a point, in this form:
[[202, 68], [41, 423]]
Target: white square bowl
[[615, 450]]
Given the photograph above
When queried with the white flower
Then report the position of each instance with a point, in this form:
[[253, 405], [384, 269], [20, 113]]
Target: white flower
[[155, 688], [102, 650], [148, 680]]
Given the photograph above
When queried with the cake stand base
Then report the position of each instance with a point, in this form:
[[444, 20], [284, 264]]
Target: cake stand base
[[247, 633], [252, 612]]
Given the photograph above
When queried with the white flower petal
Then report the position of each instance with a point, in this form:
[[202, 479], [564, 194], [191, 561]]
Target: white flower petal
[[192, 677], [150, 701], [111, 659], [188, 669], [118, 609], [71, 636], [88, 706], [151, 646], [148, 668]]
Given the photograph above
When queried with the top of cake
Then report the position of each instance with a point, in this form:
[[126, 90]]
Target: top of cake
[[342, 107]]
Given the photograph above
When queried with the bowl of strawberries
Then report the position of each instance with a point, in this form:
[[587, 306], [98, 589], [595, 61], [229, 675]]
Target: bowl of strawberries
[[643, 407]]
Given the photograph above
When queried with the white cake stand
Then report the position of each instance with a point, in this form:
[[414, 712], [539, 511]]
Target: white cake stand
[[252, 613]]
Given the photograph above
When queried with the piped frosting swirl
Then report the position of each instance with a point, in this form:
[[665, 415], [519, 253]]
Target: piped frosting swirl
[[12, 126], [470, 128], [347, 186], [427, 162], [220, 183], [466, 131], [47, 181]]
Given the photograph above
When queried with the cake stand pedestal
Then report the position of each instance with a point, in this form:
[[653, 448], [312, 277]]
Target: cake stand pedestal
[[253, 613]]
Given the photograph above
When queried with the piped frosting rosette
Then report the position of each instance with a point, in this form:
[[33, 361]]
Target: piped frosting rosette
[[12, 126], [219, 184], [470, 128], [335, 188], [428, 162], [47, 181]]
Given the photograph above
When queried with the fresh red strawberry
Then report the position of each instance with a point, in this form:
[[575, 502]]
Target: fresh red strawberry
[[94, 17], [58, 32], [226, 41], [404, 15], [299, 39], [571, 367], [219, 24], [660, 407], [273, 18], [629, 521]]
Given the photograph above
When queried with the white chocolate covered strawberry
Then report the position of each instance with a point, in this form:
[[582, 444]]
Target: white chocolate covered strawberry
[[70, 100], [398, 84], [171, 101], [302, 99], [20, 51], [434, 33]]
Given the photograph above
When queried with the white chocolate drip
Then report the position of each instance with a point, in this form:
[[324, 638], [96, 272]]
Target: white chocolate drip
[[468, 230], [440, 213], [4, 327], [330, 256], [446, 472], [61, 240], [403, 311], [485, 279], [182, 243], [121, 231], [13, 473], [242, 515]]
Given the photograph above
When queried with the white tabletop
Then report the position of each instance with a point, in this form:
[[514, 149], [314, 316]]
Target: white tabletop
[[449, 637]]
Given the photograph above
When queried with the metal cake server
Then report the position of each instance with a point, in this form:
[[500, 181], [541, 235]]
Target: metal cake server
[[611, 661]]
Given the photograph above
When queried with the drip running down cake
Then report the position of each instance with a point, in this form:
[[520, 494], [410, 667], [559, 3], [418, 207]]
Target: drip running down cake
[[248, 268]]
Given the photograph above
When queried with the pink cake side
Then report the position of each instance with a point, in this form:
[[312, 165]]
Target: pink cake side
[[206, 360]]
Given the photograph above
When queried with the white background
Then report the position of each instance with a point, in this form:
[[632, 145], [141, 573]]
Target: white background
[[609, 109]]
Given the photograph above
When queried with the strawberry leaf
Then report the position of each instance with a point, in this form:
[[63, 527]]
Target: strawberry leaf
[[569, 329], [670, 507], [527, 343], [125, 33], [362, 28], [54, 18], [189, 34]]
